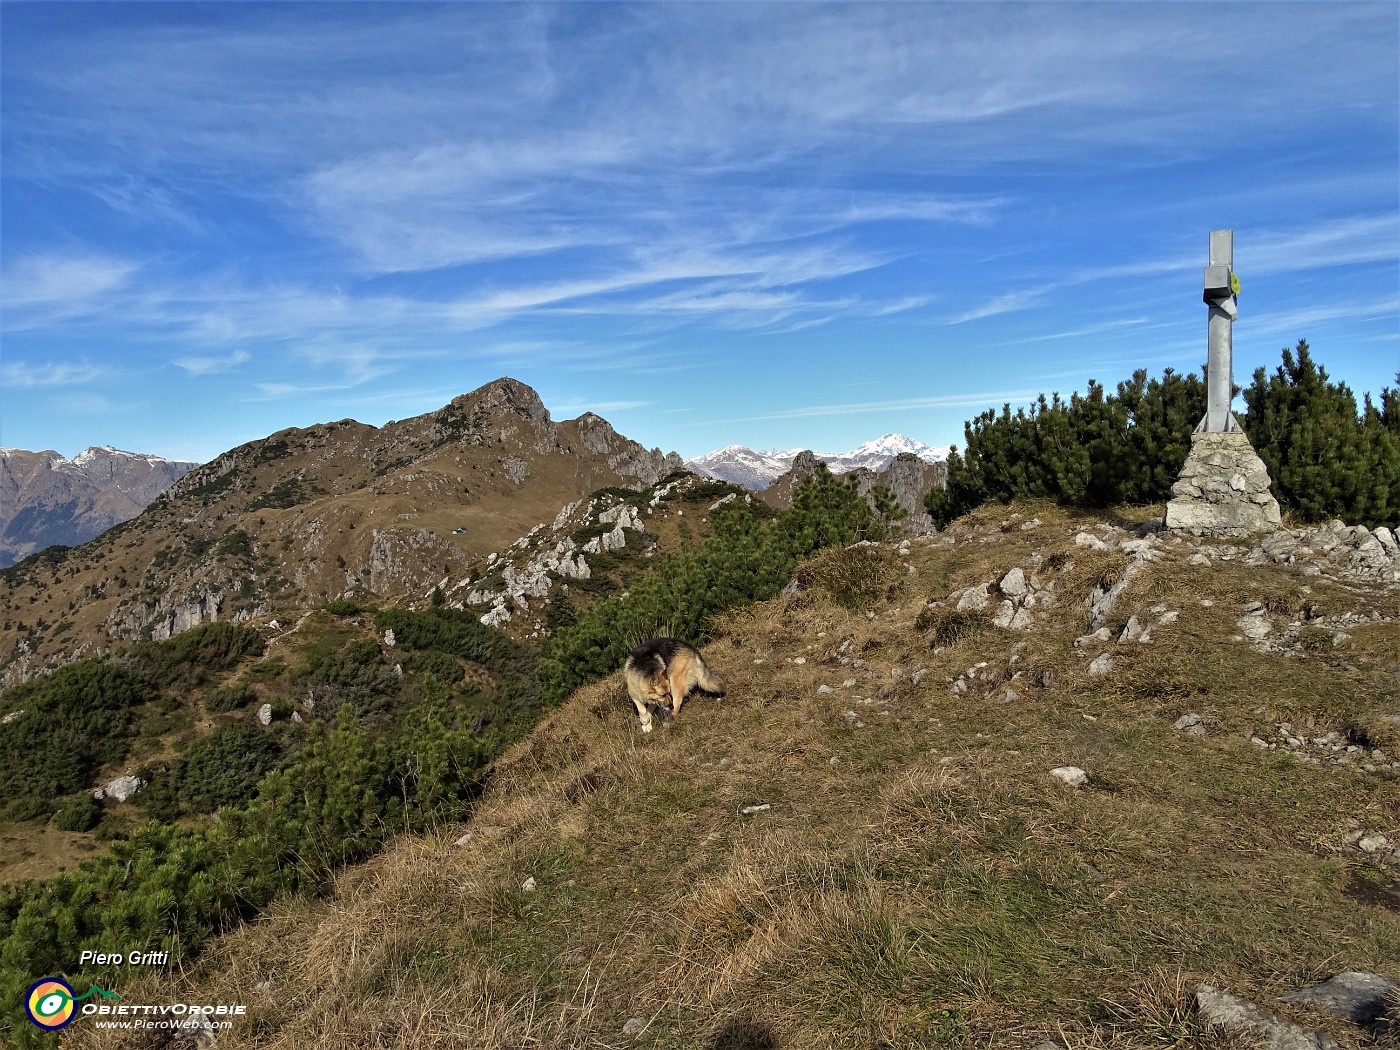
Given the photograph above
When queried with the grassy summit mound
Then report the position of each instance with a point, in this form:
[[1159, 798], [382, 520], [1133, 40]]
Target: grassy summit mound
[[863, 845]]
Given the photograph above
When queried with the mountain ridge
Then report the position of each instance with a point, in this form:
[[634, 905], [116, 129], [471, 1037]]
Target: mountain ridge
[[308, 515], [50, 499], [756, 469]]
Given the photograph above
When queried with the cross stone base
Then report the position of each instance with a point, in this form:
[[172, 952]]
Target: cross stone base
[[1223, 489]]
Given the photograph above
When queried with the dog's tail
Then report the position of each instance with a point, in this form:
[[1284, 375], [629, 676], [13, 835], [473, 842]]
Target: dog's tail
[[707, 679]]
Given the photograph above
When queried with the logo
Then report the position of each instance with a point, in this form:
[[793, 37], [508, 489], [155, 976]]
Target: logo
[[50, 1002]]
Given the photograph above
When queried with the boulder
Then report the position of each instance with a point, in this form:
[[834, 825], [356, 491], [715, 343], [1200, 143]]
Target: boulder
[[120, 789], [1013, 584], [1362, 998]]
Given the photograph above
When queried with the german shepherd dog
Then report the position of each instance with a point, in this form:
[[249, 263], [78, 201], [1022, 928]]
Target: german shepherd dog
[[661, 673]]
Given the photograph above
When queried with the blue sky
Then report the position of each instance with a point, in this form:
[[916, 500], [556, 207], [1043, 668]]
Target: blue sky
[[781, 225]]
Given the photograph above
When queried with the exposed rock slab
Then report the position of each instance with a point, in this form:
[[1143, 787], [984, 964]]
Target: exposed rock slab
[[1219, 1007], [1362, 998]]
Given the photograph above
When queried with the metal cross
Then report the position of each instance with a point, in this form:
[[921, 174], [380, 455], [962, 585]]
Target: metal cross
[[1221, 286]]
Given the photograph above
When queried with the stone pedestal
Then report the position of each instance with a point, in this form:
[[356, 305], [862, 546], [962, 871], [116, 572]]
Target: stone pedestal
[[1223, 489]]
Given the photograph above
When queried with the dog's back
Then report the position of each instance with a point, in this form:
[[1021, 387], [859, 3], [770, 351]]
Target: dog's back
[[665, 666]]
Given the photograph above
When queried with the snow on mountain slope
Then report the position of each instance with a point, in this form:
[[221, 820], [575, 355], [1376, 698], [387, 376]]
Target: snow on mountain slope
[[756, 468]]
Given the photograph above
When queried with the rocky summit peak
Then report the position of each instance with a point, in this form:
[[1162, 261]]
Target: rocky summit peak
[[805, 463], [506, 395]]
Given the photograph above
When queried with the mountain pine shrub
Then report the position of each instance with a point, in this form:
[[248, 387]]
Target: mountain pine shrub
[[1326, 458], [749, 557]]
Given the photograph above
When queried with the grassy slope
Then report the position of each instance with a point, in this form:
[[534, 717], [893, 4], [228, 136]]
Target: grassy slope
[[919, 879]]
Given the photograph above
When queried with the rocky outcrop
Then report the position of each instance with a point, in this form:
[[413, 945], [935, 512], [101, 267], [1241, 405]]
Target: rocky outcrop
[[1364, 999], [1238, 1016], [909, 479], [1351, 552], [549, 554], [406, 559], [521, 579], [1223, 489], [119, 789], [166, 617], [626, 457]]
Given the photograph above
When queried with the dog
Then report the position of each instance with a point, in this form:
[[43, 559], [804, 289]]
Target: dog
[[662, 673]]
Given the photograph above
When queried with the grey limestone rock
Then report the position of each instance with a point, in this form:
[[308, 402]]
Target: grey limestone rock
[[1362, 998], [1219, 1007], [1013, 584], [1131, 631], [1255, 625], [1071, 775], [1191, 724], [120, 789], [971, 599], [1102, 599]]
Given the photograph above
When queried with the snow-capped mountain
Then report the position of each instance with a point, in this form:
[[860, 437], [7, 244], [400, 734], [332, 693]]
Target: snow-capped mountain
[[46, 499], [751, 468], [756, 468], [877, 454]]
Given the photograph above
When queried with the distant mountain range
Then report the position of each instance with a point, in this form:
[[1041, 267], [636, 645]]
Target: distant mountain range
[[758, 468], [307, 515], [46, 499]]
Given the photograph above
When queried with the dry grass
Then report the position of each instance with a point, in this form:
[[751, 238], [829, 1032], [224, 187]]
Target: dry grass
[[29, 852], [917, 879]]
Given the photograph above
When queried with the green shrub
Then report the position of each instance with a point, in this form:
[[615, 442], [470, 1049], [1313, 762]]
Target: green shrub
[[75, 719], [457, 632], [229, 698], [79, 812], [162, 715], [289, 492], [217, 770], [444, 667], [854, 577], [1325, 457], [749, 557], [709, 491], [234, 543], [190, 658]]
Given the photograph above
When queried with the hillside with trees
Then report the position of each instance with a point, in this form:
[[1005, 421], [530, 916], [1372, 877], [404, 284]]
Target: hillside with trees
[[265, 773]]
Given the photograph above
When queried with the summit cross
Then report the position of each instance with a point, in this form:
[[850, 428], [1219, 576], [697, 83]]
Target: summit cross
[[1221, 288]]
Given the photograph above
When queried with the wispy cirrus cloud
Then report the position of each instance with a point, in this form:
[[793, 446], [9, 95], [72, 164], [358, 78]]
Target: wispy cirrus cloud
[[203, 366], [23, 375], [1006, 303], [1350, 310], [1079, 333], [333, 365], [1343, 242], [366, 198], [58, 283]]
